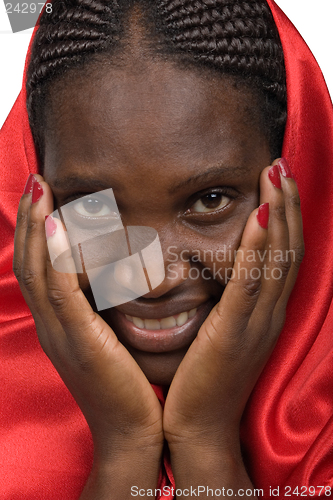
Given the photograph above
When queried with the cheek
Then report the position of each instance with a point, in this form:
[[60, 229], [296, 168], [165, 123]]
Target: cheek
[[215, 255], [214, 250], [211, 252]]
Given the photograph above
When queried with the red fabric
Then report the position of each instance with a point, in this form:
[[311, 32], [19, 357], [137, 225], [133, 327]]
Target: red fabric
[[287, 429], [288, 426]]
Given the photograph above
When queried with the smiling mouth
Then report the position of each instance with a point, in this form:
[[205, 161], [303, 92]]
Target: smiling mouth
[[158, 335], [163, 323]]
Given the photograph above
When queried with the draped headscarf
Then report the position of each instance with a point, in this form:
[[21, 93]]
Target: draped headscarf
[[287, 428]]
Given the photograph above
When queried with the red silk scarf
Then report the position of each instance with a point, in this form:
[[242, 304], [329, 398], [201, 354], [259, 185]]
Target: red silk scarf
[[287, 428]]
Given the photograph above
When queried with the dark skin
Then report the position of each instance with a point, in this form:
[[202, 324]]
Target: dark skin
[[144, 131]]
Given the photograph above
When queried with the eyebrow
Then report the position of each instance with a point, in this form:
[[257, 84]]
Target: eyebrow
[[75, 183], [211, 174]]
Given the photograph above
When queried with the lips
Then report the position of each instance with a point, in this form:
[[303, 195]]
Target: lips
[[158, 335]]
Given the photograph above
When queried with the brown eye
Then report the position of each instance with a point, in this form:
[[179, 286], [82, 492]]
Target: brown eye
[[210, 202]]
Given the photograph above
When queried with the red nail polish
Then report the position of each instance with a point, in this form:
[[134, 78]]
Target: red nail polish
[[29, 185], [263, 215], [285, 169], [37, 192], [274, 175], [50, 226]]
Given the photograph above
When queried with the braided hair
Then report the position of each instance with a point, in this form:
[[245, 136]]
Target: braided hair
[[237, 38]]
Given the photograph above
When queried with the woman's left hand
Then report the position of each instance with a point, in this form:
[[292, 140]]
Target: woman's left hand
[[210, 389]]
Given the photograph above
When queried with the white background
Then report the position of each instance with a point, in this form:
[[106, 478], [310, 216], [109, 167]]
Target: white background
[[313, 19]]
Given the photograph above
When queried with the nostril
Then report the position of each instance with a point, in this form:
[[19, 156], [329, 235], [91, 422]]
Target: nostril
[[129, 273], [178, 271]]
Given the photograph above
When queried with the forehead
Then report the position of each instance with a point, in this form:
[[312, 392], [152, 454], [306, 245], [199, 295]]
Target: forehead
[[149, 113]]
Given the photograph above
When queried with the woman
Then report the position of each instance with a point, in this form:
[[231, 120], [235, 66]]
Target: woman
[[213, 116]]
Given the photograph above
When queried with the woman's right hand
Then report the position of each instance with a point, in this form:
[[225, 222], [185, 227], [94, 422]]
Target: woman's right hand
[[119, 404]]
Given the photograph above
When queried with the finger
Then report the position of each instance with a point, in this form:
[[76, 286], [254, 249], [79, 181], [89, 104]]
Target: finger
[[232, 313], [21, 228], [295, 226], [34, 256], [33, 266], [277, 259], [85, 330], [20, 235]]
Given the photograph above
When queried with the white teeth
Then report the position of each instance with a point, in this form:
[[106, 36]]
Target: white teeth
[[192, 313], [164, 323], [169, 322], [152, 324], [182, 318], [138, 322]]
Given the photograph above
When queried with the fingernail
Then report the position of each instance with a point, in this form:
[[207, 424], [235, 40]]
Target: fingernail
[[37, 192], [50, 226], [29, 185], [284, 168], [263, 215], [274, 175]]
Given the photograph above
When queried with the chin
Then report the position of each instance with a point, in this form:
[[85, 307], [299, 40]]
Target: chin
[[159, 368]]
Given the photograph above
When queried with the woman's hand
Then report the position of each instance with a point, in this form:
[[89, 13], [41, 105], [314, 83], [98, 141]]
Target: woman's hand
[[210, 389], [119, 404]]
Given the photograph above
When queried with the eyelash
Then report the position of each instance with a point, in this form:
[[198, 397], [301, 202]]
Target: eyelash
[[86, 220], [201, 216], [227, 192]]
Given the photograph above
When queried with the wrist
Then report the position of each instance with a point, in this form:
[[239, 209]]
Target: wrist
[[212, 467], [114, 474], [206, 458], [208, 442], [110, 445]]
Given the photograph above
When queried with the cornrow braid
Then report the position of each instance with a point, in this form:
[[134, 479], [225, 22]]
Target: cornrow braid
[[237, 37], [67, 38], [232, 37]]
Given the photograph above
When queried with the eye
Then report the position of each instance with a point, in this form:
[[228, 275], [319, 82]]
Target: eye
[[93, 207], [210, 202]]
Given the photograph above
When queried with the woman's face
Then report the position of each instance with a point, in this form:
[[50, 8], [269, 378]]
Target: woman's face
[[182, 151]]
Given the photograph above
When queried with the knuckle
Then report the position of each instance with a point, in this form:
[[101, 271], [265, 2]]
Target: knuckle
[[17, 269], [29, 279], [57, 299], [280, 213], [284, 267], [251, 288], [295, 202], [298, 254], [61, 300], [248, 286], [21, 218], [228, 344], [32, 227]]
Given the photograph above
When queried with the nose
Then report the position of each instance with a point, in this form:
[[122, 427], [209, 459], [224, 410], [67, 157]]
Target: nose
[[151, 273], [176, 272]]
